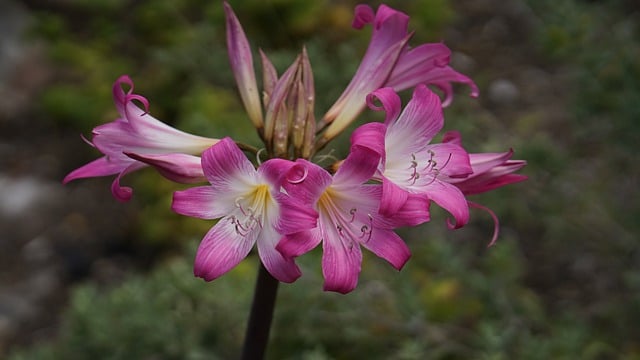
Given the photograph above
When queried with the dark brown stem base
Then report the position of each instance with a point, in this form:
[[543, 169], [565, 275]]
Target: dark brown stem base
[[259, 325]]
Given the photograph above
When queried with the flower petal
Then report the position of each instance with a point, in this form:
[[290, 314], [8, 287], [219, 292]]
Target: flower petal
[[124, 193], [413, 212], [99, 167], [227, 168], [393, 198], [390, 103], [370, 135], [449, 159], [299, 243], [280, 267], [414, 65], [181, 168], [221, 249], [442, 77], [389, 246], [341, 264], [450, 198], [305, 181], [357, 168], [420, 120], [200, 202]]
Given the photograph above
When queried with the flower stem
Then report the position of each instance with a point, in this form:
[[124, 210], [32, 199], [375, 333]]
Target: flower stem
[[264, 299]]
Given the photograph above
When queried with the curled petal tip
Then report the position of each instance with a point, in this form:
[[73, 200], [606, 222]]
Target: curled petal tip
[[363, 15]]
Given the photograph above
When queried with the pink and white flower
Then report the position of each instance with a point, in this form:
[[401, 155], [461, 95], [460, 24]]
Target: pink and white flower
[[490, 171], [390, 62], [346, 209], [409, 163], [136, 139], [244, 199]]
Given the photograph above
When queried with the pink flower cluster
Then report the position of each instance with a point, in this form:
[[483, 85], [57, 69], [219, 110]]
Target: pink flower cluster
[[288, 205]]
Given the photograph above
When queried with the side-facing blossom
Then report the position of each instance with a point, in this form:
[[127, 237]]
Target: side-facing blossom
[[490, 171], [409, 162], [346, 209], [244, 199], [137, 139], [390, 62]]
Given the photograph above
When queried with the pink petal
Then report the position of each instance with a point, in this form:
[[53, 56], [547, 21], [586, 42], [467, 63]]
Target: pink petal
[[282, 268], [226, 166], [341, 263], [363, 15], [451, 199], [414, 65], [181, 168], [393, 198], [482, 184], [242, 66], [299, 243], [305, 181], [370, 76], [221, 249], [119, 95], [295, 215], [124, 193], [99, 167], [453, 137], [450, 160], [389, 246], [390, 103], [199, 202], [358, 167], [414, 211], [422, 117], [484, 162], [370, 135], [442, 77]]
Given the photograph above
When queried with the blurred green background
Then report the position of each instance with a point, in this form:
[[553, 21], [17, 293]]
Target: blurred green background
[[560, 84]]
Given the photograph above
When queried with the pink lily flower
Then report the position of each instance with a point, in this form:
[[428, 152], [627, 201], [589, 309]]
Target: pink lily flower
[[409, 162], [342, 213], [490, 171], [390, 62], [137, 139], [244, 199]]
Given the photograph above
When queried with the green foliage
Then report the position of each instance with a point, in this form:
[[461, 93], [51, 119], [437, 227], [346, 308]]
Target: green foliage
[[435, 309]]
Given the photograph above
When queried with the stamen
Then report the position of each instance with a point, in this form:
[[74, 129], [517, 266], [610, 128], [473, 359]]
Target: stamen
[[260, 151], [353, 214], [239, 206], [367, 229]]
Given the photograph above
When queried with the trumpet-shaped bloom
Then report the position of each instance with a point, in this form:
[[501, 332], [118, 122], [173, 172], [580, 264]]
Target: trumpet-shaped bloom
[[244, 199], [347, 216], [410, 163], [490, 170], [390, 62], [137, 139]]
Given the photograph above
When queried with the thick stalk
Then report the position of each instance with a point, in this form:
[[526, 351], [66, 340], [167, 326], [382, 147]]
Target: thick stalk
[[264, 300]]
